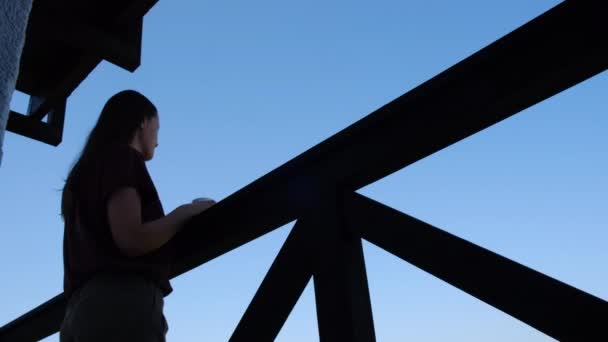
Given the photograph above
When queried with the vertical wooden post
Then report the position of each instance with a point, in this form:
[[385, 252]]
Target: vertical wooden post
[[343, 305]]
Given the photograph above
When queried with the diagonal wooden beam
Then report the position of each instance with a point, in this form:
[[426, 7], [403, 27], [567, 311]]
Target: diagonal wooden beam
[[536, 61], [280, 290], [528, 65], [37, 324], [555, 308]]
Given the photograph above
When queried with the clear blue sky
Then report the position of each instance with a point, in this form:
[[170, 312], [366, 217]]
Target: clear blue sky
[[242, 87]]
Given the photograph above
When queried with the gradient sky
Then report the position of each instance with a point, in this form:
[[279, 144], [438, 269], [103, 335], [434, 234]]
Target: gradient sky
[[242, 87]]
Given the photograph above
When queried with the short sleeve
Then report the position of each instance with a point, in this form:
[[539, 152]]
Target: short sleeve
[[122, 167]]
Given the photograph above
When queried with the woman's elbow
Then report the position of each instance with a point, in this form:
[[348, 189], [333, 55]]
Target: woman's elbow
[[129, 244]]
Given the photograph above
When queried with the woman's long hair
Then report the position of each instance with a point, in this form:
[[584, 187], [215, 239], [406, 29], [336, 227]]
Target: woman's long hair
[[118, 122]]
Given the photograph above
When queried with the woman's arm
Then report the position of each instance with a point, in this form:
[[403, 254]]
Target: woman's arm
[[135, 238]]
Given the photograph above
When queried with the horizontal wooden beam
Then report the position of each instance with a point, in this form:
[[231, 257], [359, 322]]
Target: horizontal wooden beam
[[31, 128], [50, 132]]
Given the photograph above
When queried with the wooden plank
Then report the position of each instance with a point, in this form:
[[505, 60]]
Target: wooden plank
[[553, 307], [282, 287]]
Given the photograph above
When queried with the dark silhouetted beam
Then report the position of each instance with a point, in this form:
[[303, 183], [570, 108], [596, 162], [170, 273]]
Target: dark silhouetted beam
[[557, 309], [344, 311], [108, 46], [37, 324], [31, 128], [67, 85], [530, 64], [35, 106], [56, 119], [280, 290], [97, 43], [50, 133], [536, 61], [121, 48]]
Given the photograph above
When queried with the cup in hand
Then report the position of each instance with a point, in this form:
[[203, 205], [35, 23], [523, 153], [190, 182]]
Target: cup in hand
[[202, 199]]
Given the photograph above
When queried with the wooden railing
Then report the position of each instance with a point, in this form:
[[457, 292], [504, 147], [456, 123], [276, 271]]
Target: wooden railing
[[317, 189]]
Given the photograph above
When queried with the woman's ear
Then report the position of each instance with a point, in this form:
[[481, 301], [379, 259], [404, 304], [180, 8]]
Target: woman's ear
[[144, 123]]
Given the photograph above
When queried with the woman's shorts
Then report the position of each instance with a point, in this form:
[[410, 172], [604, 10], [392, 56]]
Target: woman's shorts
[[115, 307]]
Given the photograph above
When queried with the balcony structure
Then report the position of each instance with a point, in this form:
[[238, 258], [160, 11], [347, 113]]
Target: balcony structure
[[317, 189]]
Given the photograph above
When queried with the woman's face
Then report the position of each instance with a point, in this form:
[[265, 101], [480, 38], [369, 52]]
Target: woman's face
[[149, 137]]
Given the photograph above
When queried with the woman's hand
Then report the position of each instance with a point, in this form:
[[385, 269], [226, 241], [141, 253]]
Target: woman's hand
[[195, 208], [135, 238]]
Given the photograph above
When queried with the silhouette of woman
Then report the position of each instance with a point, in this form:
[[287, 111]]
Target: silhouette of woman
[[117, 246]]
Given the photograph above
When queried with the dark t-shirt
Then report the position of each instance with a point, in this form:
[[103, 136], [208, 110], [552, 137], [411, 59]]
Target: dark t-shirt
[[88, 246]]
